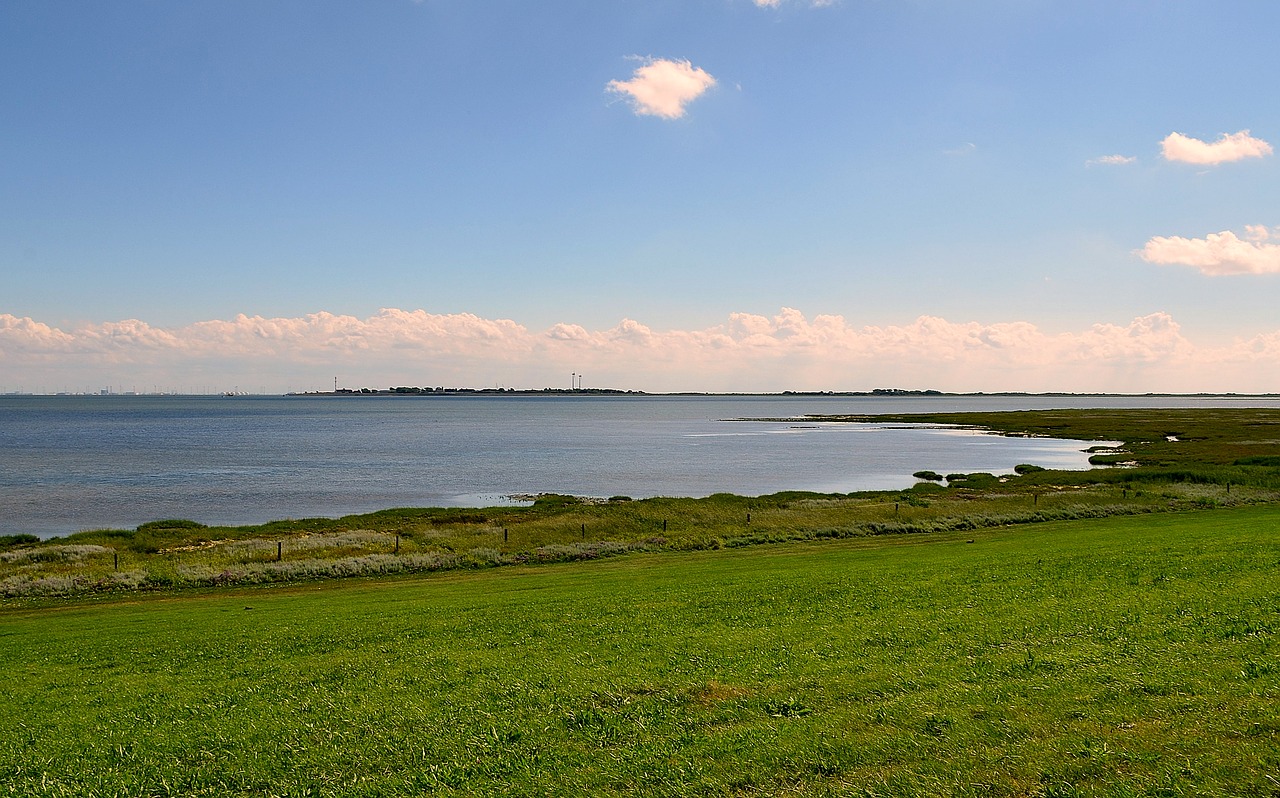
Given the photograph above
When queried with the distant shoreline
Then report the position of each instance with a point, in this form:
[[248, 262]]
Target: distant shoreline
[[878, 393], [446, 391]]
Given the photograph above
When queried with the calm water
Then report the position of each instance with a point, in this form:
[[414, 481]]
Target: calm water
[[71, 463]]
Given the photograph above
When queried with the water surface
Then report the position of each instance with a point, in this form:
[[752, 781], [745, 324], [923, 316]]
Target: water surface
[[78, 462]]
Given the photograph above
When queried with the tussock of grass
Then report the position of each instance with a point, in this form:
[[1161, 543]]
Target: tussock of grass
[[52, 553], [312, 568]]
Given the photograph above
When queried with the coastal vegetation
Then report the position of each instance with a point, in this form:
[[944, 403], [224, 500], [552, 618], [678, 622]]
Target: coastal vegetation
[[1173, 460]]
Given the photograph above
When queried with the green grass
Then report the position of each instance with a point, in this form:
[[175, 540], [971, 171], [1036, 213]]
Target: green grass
[[1122, 656]]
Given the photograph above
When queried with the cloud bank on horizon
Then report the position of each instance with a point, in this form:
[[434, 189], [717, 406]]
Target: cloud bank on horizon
[[192, 198], [746, 352]]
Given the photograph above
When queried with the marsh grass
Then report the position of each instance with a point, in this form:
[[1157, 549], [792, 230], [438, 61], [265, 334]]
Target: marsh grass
[[558, 529]]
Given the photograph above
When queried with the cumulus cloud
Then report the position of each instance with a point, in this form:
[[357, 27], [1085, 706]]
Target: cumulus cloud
[[1218, 253], [1230, 147], [746, 351], [1111, 160], [661, 87]]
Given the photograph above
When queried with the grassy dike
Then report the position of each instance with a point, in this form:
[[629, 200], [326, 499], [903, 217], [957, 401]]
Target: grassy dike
[[1124, 656]]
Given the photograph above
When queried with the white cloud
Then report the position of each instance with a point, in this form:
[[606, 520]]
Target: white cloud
[[1218, 253], [1230, 147], [661, 87], [778, 3], [1111, 160], [968, 148], [747, 351]]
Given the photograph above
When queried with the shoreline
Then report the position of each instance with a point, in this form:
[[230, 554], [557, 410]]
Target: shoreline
[[413, 391]]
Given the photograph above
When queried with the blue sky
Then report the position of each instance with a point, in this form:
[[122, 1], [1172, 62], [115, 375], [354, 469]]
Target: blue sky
[[977, 190]]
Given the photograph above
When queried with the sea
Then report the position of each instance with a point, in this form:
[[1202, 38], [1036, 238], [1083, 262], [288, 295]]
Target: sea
[[71, 463]]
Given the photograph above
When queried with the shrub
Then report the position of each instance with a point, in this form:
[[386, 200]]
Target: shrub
[[17, 540], [926, 487], [1107, 459], [553, 501], [1027, 468], [980, 479], [931, 476]]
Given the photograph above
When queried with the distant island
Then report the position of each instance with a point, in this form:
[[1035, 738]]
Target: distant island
[[446, 391], [442, 391], [439, 391]]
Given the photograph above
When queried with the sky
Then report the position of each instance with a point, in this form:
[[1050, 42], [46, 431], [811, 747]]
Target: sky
[[693, 195]]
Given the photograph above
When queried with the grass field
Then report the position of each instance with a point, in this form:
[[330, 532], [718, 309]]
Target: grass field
[[1119, 656]]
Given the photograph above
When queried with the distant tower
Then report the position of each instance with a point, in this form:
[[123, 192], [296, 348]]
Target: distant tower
[[335, 384]]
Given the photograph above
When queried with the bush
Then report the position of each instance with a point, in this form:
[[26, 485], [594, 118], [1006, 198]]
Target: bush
[[1107, 459], [553, 501], [17, 540], [981, 479], [926, 487], [978, 479], [932, 476], [1027, 468]]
